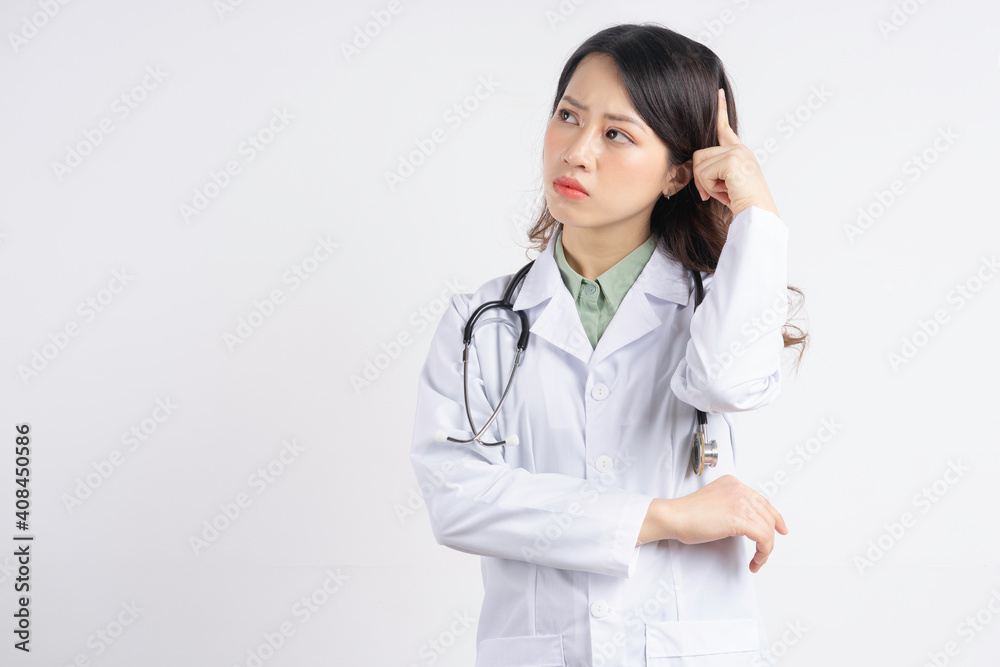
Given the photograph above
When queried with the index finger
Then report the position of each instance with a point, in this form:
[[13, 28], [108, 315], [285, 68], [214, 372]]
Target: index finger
[[779, 521], [726, 135], [770, 512]]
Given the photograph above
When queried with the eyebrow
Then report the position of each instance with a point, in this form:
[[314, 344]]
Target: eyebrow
[[610, 116]]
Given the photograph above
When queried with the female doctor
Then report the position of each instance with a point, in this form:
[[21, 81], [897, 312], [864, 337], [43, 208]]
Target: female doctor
[[600, 544]]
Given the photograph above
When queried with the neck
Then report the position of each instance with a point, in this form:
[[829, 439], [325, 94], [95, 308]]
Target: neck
[[591, 252]]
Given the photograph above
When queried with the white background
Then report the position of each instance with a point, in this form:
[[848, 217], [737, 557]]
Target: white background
[[340, 503]]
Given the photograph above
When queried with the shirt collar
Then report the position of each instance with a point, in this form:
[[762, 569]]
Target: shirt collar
[[663, 277], [616, 281]]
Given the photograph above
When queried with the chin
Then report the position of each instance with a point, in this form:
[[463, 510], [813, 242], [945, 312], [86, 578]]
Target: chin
[[565, 214]]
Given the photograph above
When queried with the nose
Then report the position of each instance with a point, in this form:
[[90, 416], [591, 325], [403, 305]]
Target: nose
[[583, 148]]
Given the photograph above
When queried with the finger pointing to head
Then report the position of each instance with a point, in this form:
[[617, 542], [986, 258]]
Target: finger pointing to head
[[726, 135]]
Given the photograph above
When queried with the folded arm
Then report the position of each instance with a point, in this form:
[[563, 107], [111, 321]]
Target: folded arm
[[478, 503]]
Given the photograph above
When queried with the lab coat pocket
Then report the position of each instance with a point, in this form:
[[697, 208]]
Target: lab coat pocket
[[722, 643], [539, 651]]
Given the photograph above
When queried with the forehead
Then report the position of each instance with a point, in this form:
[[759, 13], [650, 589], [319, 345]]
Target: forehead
[[597, 76]]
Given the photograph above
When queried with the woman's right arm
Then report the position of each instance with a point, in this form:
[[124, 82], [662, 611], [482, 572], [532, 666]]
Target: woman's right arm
[[478, 503], [722, 508]]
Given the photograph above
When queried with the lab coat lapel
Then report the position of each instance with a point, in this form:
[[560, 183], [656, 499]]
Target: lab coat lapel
[[662, 278], [633, 319], [559, 322]]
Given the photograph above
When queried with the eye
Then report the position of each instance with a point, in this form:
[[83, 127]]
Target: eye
[[625, 139], [620, 134]]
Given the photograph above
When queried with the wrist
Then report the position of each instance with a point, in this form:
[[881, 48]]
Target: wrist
[[659, 523], [766, 204], [667, 515]]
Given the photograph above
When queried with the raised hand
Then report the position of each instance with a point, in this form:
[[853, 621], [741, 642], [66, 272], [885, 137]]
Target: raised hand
[[730, 171]]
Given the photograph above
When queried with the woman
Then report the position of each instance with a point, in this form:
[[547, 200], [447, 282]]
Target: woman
[[600, 544]]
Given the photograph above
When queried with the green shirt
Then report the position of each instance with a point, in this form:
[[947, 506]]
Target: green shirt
[[597, 300]]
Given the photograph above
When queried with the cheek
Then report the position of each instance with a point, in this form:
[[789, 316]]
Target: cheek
[[549, 142], [638, 172]]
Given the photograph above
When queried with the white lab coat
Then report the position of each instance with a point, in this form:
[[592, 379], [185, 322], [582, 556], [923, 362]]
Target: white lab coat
[[602, 432]]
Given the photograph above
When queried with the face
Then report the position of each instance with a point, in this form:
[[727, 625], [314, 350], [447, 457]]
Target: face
[[597, 138]]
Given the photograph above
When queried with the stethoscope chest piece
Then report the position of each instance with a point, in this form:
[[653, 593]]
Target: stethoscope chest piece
[[703, 452]]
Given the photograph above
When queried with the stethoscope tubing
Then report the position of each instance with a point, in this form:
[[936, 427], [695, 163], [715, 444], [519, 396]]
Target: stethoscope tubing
[[505, 303]]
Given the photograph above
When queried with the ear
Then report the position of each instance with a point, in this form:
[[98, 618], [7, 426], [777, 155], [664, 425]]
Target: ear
[[678, 178]]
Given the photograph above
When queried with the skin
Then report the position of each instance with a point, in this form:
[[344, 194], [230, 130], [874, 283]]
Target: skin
[[625, 168]]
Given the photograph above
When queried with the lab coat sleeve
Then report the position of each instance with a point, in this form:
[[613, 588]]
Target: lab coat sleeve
[[732, 362], [478, 503]]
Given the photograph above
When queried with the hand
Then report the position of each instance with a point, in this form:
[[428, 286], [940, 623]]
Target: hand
[[723, 508], [730, 171]]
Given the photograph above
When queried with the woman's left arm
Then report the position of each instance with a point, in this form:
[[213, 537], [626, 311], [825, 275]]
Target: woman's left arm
[[732, 362]]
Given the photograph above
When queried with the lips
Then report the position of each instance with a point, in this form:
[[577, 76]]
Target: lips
[[571, 183]]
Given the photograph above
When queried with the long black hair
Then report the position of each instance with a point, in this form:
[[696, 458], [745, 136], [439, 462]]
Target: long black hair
[[672, 82]]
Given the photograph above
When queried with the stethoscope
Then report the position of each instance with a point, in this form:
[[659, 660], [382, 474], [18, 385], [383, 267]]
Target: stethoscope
[[704, 452]]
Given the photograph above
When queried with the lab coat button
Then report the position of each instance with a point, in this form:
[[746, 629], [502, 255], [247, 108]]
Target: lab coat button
[[604, 464], [599, 609], [600, 392]]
